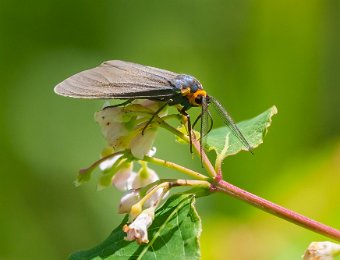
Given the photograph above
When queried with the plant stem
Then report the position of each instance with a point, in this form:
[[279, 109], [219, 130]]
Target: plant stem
[[173, 130], [176, 167], [195, 143], [166, 185], [277, 210], [205, 160]]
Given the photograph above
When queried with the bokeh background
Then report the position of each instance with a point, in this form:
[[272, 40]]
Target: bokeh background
[[249, 54]]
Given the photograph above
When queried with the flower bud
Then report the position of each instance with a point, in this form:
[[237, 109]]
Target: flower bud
[[127, 201], [136, 209], [120, 174], [142, 143], [155, 198], [144, 177], [107, 164], [124, 177]]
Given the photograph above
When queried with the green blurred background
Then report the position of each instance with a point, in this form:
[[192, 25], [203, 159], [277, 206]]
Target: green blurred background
[[249, 54]]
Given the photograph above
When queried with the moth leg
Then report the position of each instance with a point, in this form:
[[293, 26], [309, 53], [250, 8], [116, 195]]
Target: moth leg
[[203, 131], [121, 104], [184, 113], [211, 122], [196, 120], [155, 114]]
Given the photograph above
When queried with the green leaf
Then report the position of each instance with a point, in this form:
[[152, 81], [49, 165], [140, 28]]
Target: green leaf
[[225, 143], [174, 234]]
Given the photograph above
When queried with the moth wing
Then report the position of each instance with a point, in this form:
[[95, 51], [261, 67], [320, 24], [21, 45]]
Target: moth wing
[[118, 79]]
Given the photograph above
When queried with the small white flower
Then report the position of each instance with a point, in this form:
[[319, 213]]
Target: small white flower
[[122, 126], [107, 164], [127, 201], [114, 135], [155, 198], [109, 115], [124, 177], [112, 122], [144, 177], [142, 143], [138, 229]]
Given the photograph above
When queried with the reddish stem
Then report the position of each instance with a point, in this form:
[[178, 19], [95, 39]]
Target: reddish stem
[[277, 210], [265, 205], [218, 168]]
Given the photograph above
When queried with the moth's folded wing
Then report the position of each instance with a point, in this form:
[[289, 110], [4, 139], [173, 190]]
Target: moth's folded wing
[[118, 79]]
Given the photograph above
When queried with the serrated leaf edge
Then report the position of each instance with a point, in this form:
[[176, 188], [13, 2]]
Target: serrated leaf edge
[[273, 111]]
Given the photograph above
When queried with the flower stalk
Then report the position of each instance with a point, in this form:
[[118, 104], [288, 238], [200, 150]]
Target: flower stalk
[[177, 167]]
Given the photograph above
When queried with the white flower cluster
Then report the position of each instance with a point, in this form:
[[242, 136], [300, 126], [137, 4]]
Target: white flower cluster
[[129, 128], [125, 179]]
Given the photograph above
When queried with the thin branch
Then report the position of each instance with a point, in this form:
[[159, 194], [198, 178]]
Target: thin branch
[[174, 183], [176, 167], [205, 160], [173, 130], [277, 210]]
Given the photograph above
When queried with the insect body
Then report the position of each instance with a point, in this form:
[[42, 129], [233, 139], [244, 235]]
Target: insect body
[[126, 80]]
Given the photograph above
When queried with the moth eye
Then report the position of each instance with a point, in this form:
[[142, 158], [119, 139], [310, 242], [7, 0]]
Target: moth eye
[[198, 100]]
